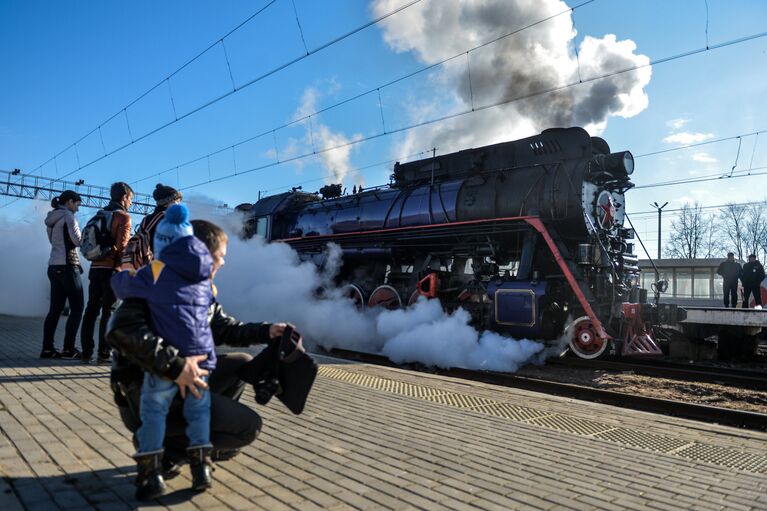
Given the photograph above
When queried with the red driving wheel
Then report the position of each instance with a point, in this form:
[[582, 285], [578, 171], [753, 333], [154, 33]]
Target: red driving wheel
[[585, 342]]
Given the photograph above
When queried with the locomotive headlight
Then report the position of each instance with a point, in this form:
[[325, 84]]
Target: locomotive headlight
[[616, 163], [628, 162]]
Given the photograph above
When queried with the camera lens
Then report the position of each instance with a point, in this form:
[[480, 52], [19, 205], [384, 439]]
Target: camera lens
[[265, 389]]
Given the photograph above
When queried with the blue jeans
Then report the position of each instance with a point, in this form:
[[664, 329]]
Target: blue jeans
[[156, 396]]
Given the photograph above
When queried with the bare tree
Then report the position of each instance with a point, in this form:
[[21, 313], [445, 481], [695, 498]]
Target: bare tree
[[755, 228], [689, 233], [713, 242], [732, 223]]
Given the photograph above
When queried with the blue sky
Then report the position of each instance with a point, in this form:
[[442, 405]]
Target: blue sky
[[68, 66]]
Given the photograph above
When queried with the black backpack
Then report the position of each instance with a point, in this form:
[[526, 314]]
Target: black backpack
[[97, 241]]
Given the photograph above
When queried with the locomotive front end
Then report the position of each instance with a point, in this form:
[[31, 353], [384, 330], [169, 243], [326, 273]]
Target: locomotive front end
[[607, 262]]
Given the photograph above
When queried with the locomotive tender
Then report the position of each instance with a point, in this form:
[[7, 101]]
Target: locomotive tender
[[527, 236]]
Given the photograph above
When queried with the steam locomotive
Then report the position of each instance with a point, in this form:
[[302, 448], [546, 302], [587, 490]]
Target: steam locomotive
[[528, 236]]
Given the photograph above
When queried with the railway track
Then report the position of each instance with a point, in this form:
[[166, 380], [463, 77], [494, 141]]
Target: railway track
[[739, 378], [686, 410]]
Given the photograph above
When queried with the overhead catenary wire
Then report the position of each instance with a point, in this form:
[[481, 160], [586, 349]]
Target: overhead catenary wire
[[151, 89], [713, 177], [359, 140], [698, 144], [376, 90], [709, 177], [672, 149], [356, 170], [702, 208], [271, 72]]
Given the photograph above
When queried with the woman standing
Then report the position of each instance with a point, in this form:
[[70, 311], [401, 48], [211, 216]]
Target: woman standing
[[64, 274]]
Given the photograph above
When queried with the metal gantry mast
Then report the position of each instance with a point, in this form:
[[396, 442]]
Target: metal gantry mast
[[27, 186]]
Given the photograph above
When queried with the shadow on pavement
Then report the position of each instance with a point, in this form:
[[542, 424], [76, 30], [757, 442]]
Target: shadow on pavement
[[111, 489]]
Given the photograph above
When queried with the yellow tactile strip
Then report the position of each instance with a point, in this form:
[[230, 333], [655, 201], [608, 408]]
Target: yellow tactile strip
[[658, 443]]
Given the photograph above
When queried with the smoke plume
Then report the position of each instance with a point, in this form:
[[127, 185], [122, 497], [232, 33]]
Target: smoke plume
[[539, 58], [337, 162]]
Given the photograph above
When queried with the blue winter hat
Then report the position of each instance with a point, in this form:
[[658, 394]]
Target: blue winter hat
[[174, 225]]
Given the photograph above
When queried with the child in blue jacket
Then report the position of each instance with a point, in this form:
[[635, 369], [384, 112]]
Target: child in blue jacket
[[178, 289]]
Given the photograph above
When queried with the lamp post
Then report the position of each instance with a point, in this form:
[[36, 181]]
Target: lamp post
[[660, 212]]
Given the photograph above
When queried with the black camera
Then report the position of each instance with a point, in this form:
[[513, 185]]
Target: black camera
[[266, 388], [282, 369]]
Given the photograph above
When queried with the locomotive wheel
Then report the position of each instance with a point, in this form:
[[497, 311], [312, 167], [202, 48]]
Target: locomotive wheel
[[414, 298], [584, 341], [386, 297], [355, 294]]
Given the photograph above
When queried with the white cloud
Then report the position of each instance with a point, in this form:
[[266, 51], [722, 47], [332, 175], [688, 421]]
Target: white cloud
[[676, 124], [699, 192], [687, 138], [704, 158]]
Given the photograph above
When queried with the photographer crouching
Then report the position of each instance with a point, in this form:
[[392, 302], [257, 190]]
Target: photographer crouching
[[232, 424]]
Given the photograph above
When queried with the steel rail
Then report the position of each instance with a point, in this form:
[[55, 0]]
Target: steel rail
[[687, 372]]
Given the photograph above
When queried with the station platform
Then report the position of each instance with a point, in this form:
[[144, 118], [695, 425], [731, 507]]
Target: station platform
[[373, 438]]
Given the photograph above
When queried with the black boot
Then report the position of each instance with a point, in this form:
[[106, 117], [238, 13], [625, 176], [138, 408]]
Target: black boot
[[202, 467], [149, 481]]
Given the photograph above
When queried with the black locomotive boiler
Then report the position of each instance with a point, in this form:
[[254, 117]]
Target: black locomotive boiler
[[528, 236]]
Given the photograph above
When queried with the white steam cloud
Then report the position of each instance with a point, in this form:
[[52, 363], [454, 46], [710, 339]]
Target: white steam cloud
[[539, 58], [24, 262], [268, 282]]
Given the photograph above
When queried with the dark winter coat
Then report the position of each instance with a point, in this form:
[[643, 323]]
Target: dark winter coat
[[179, 292], [139, 348], [752, 274], [730, 271]]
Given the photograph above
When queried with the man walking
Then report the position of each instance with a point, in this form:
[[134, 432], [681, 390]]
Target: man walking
[[100, 294], [752, 276], [730, 272]]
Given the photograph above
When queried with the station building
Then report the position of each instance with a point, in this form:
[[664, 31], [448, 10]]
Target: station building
[[692, 282]]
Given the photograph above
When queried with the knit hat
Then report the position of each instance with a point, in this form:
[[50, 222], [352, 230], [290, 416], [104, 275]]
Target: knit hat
[[164, 195], [174, 226]]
